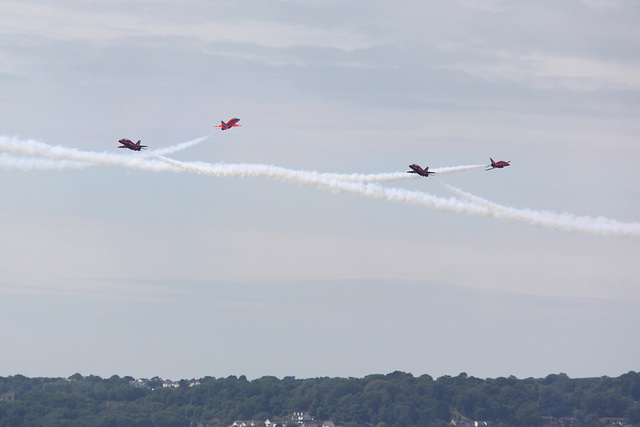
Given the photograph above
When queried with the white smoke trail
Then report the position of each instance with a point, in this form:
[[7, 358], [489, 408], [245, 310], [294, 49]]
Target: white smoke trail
[[57, 153], [59, 157], [472, 206], [599, 226], [553, 220], [394, 176], [314, 179], [63, 154], [8, 161], [454, 169], [183, 146], [62, 157], [365, 178]]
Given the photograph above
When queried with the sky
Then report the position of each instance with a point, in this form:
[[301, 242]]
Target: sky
[[218, 253]]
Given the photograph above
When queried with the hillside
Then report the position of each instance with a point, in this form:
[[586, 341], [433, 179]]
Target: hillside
[[396, 399]]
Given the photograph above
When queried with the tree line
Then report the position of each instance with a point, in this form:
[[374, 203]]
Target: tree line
[[395, 399]]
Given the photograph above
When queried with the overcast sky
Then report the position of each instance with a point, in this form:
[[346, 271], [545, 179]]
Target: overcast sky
[[116, 270]]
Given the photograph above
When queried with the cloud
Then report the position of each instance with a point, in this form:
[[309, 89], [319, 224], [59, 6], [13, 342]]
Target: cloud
[[607, 4], [101, 24], [548, 71], [584, 73], [494, 6]]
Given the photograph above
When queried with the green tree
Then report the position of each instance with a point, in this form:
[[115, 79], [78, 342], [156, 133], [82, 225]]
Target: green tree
[[528, 415], [633, 414]]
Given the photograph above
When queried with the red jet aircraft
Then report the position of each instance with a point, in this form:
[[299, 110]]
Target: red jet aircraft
[[230, 124], [422, 172], [497, 165], [127, 143]]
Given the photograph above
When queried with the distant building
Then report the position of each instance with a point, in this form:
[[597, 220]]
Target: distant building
[[10, 395], [301, 417], [558, 422], [140, 383], [169, 383]]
